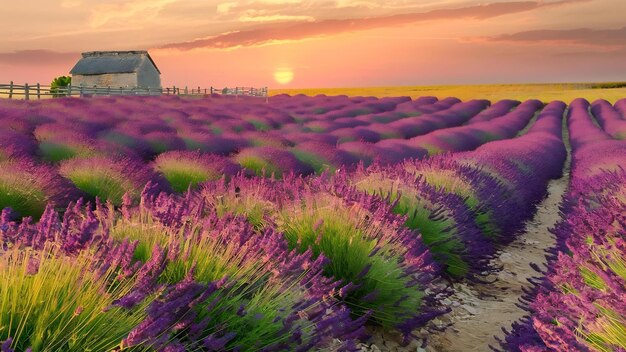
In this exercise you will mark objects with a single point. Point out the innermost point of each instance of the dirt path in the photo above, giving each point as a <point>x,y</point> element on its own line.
<point>479,311</point>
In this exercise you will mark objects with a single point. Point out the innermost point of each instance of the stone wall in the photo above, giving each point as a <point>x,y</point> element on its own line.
<point>113,80</point>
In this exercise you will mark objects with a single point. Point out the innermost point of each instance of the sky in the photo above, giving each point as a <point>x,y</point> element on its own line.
<point>324,43</point>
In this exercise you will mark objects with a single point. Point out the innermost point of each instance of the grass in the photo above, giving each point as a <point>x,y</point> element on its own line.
<point>185,174</point>
<point>182,178</point>
<point>345,233</point>
<point>246,201</point>
<point>346,236</point>
<point>104,184</point>
<point>544,92</point>
<point>442,242</point>
<point>318,163</point>
<point>20,192</point>
<point>213,252</point>
<point>259,166</point>
<point>26,202</point>
<point>64,305</point>
<point>451,182</point>
<point>56,151</point>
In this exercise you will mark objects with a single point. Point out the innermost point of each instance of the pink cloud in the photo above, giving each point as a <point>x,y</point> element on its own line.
<point>302,30</point>
<point>605,38</point>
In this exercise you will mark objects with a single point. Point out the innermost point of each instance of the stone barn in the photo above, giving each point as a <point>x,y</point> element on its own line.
<point>115,69</point>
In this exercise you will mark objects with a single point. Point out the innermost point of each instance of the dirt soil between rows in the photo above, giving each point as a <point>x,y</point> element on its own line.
<point>480,310</point>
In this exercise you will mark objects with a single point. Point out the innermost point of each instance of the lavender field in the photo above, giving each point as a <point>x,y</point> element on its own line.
<point>303,223</point>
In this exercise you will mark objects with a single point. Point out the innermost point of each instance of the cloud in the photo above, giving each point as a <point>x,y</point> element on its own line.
<point>289,31</point>
<point>605,38</point>
<point>68,4</point>
<point>264,16</point>
<point>225,7</point>
<point>37,57</point>
<point>238,7</point>
<point>137,11</point>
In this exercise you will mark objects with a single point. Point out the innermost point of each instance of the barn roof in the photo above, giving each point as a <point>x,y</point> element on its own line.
<point>101,62</point>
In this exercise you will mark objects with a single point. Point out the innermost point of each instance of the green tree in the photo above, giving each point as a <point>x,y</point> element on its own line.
<point>57,85</point>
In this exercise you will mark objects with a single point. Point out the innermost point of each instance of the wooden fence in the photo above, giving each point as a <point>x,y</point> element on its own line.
<point>38,91</point>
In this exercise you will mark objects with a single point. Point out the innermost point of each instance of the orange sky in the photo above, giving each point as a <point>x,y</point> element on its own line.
<point>324,43</point>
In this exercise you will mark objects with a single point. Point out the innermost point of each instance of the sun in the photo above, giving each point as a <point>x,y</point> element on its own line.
<point>283,75</point>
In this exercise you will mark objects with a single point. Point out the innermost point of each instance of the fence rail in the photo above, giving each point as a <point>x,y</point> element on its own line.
<point>38,91</point>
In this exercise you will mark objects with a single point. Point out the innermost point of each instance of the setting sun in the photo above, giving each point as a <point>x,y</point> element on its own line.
<point>283,75</point>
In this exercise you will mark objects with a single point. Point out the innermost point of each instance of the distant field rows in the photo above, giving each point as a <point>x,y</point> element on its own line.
<point>545,92</point>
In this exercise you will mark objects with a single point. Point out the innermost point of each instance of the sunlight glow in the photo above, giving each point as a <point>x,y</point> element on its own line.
<point>283,75</point>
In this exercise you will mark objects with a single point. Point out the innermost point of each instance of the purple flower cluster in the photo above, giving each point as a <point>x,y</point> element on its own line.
<point>579,304</point>
<point>269,297</point>
<point>15,145</point>
<point>387,268</point>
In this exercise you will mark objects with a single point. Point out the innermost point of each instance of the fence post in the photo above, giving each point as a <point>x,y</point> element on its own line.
<point>69,90</point>
<point>205,92</point>
<point>108,90</point>
<point>168,91</point>
<point>38,91</point>
<point>148,90</point>
<point>186,90</point>
<point>26,92</point>
<point>11,90</point>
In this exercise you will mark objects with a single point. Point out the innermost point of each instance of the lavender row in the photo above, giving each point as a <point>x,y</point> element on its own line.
<point>620,106</point>
<point>466,204</point>
<point>609,118</point>
<point>579,304</point>
<point>496,123</point>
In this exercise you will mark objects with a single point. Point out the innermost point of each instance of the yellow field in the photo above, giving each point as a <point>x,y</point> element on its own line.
<point>544,92</point>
